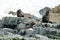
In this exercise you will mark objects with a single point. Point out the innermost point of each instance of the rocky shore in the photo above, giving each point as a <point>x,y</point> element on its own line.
<point>29,27</point>
<point>17,28</point>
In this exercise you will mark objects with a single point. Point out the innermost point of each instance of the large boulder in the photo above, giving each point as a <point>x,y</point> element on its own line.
<point>43,11</point>
<point>42,29</point>
<point>10,22</point>
<point>17,22</point>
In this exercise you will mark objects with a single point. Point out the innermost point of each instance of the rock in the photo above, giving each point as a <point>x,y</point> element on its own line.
<point>26,32</point>
<point>10,22</point>
<point>55,14</point>
<point>22,32</point>
<point>56,25</point>
<point>54,17</point>
<point>38,29</point>
<point>17,22</point>
<point>0,23</point>
<point>25,26</point>
<point>18,28</point>
<point>46,31</point>
<point>43,11</point>
<point>9,30</point>
<point>21,26</point>
<point>29,33</point>
<point>30,24</point>
<point>2,32</point>
<point>56,9</point>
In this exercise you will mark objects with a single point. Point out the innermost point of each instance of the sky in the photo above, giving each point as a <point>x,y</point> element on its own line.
<point>27,6</point>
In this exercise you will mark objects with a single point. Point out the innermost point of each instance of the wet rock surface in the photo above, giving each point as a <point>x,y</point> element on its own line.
<point>20,26</point>
<point>24,28</point>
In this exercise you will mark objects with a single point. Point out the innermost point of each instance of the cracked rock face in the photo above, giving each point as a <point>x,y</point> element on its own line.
<point>13,22</point>
<point>24,28</point>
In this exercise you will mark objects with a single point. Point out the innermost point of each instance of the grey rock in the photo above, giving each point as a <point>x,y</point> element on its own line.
<point>46,31</point>
<point>13,22</point>
<point>22,32</point>
<point>43,11</point>
<point>56,25</point>
<point>29,33</point>
<point>9,30</point>
<point>2,33</point>
<point>10,22</point>
<point>0,23</point>
<point>21,25</point>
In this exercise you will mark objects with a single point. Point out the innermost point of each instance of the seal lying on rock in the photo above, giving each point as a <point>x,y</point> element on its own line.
<point>28,16</point>
<point>19,13</point>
